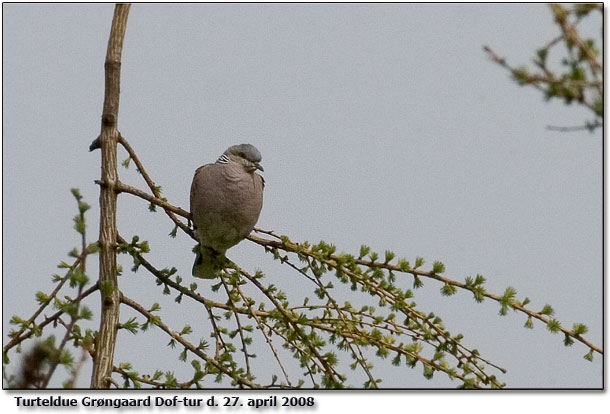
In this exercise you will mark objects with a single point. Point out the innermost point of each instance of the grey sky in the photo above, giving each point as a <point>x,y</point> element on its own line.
<point>378,124</point>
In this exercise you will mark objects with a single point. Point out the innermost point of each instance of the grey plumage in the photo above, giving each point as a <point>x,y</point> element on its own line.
<point>226,200</point>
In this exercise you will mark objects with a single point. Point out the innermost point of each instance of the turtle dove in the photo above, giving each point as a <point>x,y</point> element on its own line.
<point>226,200</point>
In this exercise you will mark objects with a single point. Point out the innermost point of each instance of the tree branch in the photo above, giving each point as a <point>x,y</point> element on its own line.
<point>106,338</point>
<point>571,34</point>
<point>289,246</point>
<point>193,349</point>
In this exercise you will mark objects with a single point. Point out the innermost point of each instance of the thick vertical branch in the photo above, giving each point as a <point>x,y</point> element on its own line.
<point>106,338</point>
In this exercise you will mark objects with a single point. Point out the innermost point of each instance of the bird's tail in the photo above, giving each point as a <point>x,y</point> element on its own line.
<point>208,263</point>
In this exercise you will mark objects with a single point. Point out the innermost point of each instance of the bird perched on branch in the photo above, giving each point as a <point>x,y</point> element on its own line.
<point>226,200</point>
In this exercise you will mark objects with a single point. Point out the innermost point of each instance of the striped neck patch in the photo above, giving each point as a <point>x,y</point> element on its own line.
<point>223,159</point>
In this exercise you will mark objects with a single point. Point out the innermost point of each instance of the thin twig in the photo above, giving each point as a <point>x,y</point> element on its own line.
<point>291,321</point>
<point>361,361</point>
<point>570,33</point>
<point>73,319</point>
<point>237,320</point>
<point>153,188</point>
<point>23,336</point>
<point>155,384</point>
<point>177,337</point>
<point>77,369</point>
<point>292,247</point>
<point>121,187</point>
<point>595,124</point>
<point>267,338</point>
<point>52,296</point>
<point>220,343</point>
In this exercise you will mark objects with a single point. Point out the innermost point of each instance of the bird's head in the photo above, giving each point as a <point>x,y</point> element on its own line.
<point>247,155</point>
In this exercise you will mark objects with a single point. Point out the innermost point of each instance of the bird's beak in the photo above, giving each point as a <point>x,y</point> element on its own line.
<point>259,167</point>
